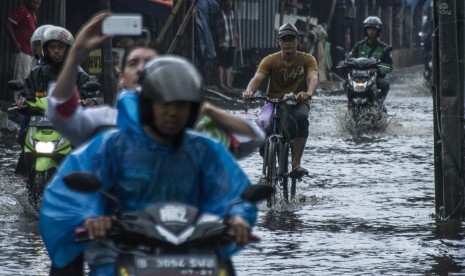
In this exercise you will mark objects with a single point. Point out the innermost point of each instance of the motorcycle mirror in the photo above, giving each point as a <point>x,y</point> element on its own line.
<point>15,85</point>
<point>257,192</point>
<point>91,86</point>
<point>83,182</point>
<point>89,183</point>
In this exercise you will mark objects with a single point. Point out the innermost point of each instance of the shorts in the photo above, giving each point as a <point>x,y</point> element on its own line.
<point>301,112</point>
<point>226,57</point>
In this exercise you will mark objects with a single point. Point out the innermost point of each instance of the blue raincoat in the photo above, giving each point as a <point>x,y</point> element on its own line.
<point>140,172</point>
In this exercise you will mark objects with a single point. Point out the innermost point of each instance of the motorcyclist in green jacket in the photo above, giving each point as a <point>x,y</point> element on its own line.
<point>371,46</point>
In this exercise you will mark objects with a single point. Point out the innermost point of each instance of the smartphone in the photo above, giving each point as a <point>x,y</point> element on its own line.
<point>122,24</point>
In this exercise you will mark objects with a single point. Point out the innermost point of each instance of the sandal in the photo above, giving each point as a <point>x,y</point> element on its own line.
<point>299,171</point>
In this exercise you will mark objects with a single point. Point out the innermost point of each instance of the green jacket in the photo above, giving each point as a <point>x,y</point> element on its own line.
<point>363,49</point>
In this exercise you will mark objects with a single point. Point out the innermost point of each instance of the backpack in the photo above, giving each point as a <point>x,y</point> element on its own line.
<point>288,120</point>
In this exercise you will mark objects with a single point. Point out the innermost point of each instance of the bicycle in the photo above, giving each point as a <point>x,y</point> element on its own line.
<point>276,157</point>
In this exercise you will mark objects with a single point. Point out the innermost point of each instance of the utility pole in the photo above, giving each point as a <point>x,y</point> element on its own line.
<point>438,179</point>
<point>451,108</point>
<point>109,95</point>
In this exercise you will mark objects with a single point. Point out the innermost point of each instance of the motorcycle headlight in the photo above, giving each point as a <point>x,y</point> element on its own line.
<point>45,147</point>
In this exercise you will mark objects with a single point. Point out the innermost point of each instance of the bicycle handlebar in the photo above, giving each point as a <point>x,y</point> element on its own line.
<point>290,96</point>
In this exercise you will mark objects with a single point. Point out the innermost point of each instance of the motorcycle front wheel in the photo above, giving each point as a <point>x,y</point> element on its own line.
<point>37,183</point>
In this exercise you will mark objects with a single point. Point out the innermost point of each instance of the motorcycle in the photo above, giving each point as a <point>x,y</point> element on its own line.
<point>170,238</point>
<point>44,147</point>
<point>426,38</point>
<point>365,111</point>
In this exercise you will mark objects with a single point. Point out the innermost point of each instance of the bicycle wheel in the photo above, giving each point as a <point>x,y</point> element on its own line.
<point>293,179</point>
<point>265,170</point>
<point>265,158</point>
<point>284,169</point>
<point>272,170</point>
<point>293,187</point>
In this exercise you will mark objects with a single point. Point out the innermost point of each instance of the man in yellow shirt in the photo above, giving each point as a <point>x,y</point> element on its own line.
<point>289,70</point>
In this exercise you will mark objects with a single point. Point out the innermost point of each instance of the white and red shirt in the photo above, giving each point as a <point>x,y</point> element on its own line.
<point>24,24</point>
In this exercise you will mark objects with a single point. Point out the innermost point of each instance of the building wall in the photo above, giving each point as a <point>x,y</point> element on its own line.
<point>255,25</point>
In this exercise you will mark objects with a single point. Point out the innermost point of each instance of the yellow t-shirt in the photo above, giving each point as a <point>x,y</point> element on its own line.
<point>285,79</point>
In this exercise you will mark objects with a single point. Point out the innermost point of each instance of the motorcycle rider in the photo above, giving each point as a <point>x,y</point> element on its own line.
<point>55,45</point>
<point>79,124</point>
<point>289,70</point>
<point>36,40</point>
<point>141,163</point>
<point>371,46</point>
<point>23,120</point>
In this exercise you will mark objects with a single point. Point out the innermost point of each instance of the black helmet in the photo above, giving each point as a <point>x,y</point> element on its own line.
<point>288,29</point>
<point>167,79</point>
<point>373,21</point>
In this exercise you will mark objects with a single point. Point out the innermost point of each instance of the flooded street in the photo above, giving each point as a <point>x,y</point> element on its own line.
<point>366,209</point>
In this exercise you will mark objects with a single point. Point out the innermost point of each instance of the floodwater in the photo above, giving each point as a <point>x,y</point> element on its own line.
<point>366,209</point>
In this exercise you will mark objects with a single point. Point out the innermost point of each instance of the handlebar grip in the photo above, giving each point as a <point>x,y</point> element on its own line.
<point>81,234</point>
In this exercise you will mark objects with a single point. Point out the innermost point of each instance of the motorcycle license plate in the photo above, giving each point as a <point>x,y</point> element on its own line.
<point>360,73</point>
<point>40,121</point>
<point>177,265</point>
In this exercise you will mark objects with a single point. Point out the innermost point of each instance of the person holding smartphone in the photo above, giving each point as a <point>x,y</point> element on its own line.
<point>79,124</point>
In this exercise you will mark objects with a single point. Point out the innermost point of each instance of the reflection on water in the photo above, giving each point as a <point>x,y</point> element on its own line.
<point>281,220</point>
<point>367,207</point>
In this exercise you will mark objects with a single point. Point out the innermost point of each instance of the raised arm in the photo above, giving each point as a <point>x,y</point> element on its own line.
<point>64,110</point>
<point>88,38</point>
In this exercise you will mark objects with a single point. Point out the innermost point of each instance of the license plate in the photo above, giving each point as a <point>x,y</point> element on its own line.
<point>360,73</point>
<point>175,265</point>
<point>40,121</point>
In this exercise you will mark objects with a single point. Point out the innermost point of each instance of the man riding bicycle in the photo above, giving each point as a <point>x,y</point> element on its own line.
<point>289,70</point>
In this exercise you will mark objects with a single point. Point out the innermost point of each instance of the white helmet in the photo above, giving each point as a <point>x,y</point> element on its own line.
<point>56,33</point>
<point>36,38</point>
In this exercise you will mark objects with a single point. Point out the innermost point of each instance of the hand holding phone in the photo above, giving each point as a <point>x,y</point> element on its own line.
<point>122,24</point>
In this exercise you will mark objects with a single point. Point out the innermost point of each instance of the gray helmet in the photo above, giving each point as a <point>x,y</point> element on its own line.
<point>56,33</point>
<point>288,29</point>
<point>171,78</point>
<point>36,38</point>
<point>373,21</point>
<point>167,79</point>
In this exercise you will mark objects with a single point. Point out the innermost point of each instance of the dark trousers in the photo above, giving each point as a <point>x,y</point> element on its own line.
<point>383,85</point>
<point>76,268</point>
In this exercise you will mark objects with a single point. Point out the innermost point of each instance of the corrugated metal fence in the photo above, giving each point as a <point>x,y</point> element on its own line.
<point>256,22</point>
